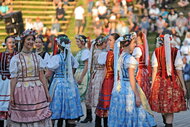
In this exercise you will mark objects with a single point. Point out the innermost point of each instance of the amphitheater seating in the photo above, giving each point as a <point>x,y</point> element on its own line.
<point>39,8</point>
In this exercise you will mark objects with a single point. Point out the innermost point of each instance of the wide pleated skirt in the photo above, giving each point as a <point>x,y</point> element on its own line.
<point>66,101</point>
<point>95,85</point>
<point>123,111</point>
<point>4,97</point>
<point>167,95</point>
<point>84,85</point>
<point>31,107</point>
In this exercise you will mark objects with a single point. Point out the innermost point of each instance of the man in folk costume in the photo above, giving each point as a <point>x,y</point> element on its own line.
<point>5,58</point>
<point>168,89</point>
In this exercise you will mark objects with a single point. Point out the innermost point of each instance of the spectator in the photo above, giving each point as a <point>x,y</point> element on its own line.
<point>116,9</point>
<point>188,24</point>
<point>183,3</point>
<point>60,12</point>
<point>4,9</point>
<point>29,24</point>
<point>160,24</point>
<point>90,5</point>
<point>144,25</point>
<point>122,28</point>
<point>106,27</point>
<point>112,23</point>
<point>102,11</point>
<point>181,23</point>
<point>38,26</point>
<point>79,19</point>
<point>185,49</point>
<point>55,26</point>
<point>97,27</point>
<point>94,13</point>
<point>172,17</point>
<point>55,2</point>
<point>164,13</point>
<point>154,12</point>
<point>187,38</point>
<point>176,41</point>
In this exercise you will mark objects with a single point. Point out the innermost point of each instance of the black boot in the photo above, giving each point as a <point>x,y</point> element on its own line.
<point>66,123</point>
<point>60,123</point>
<point>168,125</point>
<point>1,123</point>
<point>98,122</point>
<point>164,119</point>
<point>88,116</point>
<point>105,121</point>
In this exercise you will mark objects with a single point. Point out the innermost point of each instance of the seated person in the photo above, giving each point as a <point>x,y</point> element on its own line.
<point>60,12</point>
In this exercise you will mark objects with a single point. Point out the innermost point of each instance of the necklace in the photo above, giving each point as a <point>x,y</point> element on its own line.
<point>27,52</point>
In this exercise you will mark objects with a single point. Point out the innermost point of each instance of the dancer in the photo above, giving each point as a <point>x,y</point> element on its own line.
<point>141,54</point>
<point>40,49</point>
<point>96,70</point>
<point>82,58</point>
<point>63,90</point>
<point>5,58</point>
<point>29,94</point>
<point>106,89</point>
<point>168,88</point>
<point>129,107</point>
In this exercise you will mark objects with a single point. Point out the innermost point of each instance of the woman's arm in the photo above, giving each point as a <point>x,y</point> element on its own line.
<point>180,75</point>
<point>13,85</point>
<point>154,72</point>
<point>44,82</point>
<point>83,72</point>
<point>133,85</point>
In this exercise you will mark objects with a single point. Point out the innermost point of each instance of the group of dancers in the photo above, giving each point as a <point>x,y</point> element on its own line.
<point>112,76</point>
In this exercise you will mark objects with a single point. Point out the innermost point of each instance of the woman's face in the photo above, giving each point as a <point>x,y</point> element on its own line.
<point>38,43</point>
<point>79,43</point>
<point>29,42</point>
<point>10,43</point>
<point>111,42</point>
<point>132,45</point>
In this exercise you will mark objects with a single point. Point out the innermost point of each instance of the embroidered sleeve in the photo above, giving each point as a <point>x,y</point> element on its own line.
<point>154,60</point>
<point>74,62</point>
<point>53,63</point>
<point>85,55</point>
<point>102,58</point>
<point>178,61</point>
<point>41,62</point>
<point>137,53</point>
<point>13,68</point>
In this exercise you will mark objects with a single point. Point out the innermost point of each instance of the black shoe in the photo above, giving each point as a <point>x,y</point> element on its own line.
<point>168,125</point>
<point>98,121</point>
<point>88,116</point>
<point>60,123</point>
<point>1,123</point>
<point>72,125</point>
<point>105,121</point>
<point>164,119</point>
<point>66,123</point>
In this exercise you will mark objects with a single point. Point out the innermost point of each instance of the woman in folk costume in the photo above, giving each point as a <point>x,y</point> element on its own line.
<point>168,88</point>
<point>40,49</point>
<point>82,58</point>
<point>5,58</point>
<point>29,94</point>
<point>107,86</point>
<point>63,90</point>
<point>141,54</point>
<point>129,107</point>
<point>96,67</point>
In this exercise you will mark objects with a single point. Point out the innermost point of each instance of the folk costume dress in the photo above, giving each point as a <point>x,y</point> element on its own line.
<point>31,108</point>
<point>123,111</point>
<point>143,73</point>
<point>65,95</point>
<point>81,57</point>
<point>107,86</point>
<point>167,95</point>
<point>5,58</point>
<point>96,78</point>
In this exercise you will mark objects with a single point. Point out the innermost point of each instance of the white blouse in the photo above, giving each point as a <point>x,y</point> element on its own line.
<point>137,53</point>
<point>178,61</point>
<point>102,58</point>
<point>85,55</point>
<point>53,64</point>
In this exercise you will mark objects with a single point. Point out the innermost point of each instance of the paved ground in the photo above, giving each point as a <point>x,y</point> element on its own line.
<point>181,119</point>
